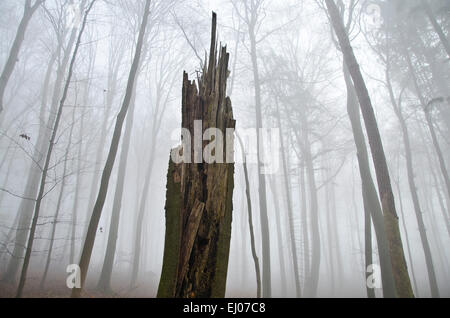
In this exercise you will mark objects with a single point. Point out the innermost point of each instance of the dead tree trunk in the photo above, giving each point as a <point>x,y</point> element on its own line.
<point>403,283</point>
<point>199,195</point>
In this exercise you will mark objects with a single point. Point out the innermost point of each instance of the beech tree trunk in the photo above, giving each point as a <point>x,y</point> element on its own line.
<point>370,197</point>
<point>199,195</point>
<point>401,276</point>
<point>413,189</point>
<point>106,175</point>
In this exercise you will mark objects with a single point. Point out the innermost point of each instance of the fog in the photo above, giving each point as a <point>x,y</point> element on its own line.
<point>326,195</point>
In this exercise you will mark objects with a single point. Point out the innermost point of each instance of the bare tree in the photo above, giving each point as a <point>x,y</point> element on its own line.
<point>48,157</point>
<point>98,207</point>
<point>29,9</point>
<point>403,284</point>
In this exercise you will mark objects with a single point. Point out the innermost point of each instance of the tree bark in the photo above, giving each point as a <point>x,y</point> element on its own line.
<point>58,205</point>
<point>305,227</point>
<point>98,207</point>
<point>281,255</point>
<point>267,284</point>
<point>104,282</point>
<point>199,195</point>
<point>413,189</point>
<point>48,157</point>
<point>369,192</point>
<point>403,284</point>
<point>287,190</point>
<point>250,223</point>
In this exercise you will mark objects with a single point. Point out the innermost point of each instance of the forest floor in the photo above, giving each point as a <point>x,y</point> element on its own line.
<point>56,290</point>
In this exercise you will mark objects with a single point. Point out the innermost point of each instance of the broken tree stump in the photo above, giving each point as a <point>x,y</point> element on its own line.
<point>199,195</point>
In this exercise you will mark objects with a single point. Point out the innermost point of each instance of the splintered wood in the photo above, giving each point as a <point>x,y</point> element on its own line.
<point>199,195</point>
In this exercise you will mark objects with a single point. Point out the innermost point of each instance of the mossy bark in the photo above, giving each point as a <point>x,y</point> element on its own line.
<point>199,195</point>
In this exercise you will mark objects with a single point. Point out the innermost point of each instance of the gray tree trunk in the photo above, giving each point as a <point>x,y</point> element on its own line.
<point>413,189</point>
<point>13,56</point>
<point>250,225</point>
<point>40,195</point>
<point>369,192</point>
<point>58,204</point>
<point>287,190</point>
<point>305,227</point>
<point>281,256</point>
<point>403,284</point>
<point>32,183</point>
<point>98,207</point>
<point>266,276</point>
<point>104,282</point>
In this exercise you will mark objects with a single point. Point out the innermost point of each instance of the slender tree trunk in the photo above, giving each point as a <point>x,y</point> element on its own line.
<point>140,217</point>
<point>266,276</point>
<point>329,230</point>
<point>13,56</point>
<point>281,256</point>
<point>104,283</point>
<point>413,189</point>
<point>111,92</point>
<point>32,184</point>
<point>444,210</point>
<point>305,226</point>
<point>368,249</point>
<point>334,222</point>
<point>408,245</point>
<point>403,284</point>
<point>426,108</point>
<point>289,208</point>
<point>372,207</point>
<point>47,159</point>
<point>76,197</point>
<point>250,224</point>
<point>98,207</point>
<point>58,204</point>
<point>312,283</point>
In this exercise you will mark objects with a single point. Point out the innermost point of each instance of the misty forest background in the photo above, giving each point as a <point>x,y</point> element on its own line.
<point>314,215</point>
